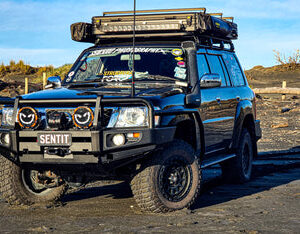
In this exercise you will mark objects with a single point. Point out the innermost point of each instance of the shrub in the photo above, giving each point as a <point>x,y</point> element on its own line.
<point>291,62</point>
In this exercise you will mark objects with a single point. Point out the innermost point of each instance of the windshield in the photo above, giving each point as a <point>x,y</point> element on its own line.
<point>115,65</point>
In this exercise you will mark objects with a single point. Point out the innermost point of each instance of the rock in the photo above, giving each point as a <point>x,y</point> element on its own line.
<point>281,125</point>
<point>258,96</point>
<point>285,109</point>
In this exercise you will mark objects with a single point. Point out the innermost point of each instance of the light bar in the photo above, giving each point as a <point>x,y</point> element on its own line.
<point>140,27</point>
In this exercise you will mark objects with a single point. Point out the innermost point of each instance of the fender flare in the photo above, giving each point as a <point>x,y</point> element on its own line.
<point>244,109</point>
<point>176,116</point>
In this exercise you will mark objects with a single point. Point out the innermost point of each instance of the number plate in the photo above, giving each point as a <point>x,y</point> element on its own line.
<point>54,139</point>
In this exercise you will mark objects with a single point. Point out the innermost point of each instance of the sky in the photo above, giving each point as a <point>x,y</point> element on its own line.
<point>38,31</point>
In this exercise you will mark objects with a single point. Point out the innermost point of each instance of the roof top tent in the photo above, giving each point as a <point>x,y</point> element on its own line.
<point>158,25</point>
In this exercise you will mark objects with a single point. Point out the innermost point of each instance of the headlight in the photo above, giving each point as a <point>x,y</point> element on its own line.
<point>129,117</point>
<point>7,116</point>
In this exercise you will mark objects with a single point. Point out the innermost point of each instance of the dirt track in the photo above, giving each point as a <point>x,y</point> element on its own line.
<point>270,203</point>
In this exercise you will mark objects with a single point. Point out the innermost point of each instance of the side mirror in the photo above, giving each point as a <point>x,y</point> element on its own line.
<point>53,82</point>
<point>210,80</point>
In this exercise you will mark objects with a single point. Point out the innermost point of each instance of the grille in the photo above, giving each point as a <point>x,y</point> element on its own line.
<point>107,112</point>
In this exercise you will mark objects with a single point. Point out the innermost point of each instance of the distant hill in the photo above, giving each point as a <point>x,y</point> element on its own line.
<point>12,76</point>
<point>18,71</point>
<point>260,77</point>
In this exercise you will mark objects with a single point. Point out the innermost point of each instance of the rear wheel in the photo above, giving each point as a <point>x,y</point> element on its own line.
<point>22,186</point>
<point>239,169</point>
<point>169,181</point>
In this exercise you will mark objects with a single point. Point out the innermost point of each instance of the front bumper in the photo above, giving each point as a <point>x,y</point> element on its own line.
<point>87,146</point>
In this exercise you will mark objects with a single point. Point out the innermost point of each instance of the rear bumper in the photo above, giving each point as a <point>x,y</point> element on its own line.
<point>87,146</point>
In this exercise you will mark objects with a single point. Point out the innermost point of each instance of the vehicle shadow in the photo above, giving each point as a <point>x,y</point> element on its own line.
<point>216,190</point>
<point>116,191</point>
<point>213,191</point>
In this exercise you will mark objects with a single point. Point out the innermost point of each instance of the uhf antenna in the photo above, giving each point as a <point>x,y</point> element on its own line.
<point>133,51</point>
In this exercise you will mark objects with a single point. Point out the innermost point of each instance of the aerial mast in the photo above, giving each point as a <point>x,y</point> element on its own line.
<point>133,52</point>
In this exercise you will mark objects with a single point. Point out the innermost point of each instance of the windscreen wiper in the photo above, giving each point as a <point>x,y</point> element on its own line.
<point>156,77</point>
<point>95,82</point>
<point>160,77</point>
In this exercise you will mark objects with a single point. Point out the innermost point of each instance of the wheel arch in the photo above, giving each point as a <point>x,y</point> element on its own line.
<point>189,128</point>
<point>244,119</point>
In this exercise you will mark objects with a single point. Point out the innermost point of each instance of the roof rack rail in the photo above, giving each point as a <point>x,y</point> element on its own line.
<point>154,24</point>
<point>202,9</point>
<point>228,18</point>
<point>216,14</point>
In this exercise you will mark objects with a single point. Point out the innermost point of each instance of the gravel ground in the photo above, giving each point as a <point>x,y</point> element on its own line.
<point>280,123</point>
<point>269,203</point>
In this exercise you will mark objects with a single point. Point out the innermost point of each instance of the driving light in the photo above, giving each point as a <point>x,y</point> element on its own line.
<point>83,117</point>
<point>5,139</point>
<point>118,139</point>
<point>27,117</point>
<point>7,116</point>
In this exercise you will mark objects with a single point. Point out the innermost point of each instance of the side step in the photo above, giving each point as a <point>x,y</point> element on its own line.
<point>215,160</point>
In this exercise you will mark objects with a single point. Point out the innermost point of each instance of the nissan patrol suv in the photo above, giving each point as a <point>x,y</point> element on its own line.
<point>153,106</point>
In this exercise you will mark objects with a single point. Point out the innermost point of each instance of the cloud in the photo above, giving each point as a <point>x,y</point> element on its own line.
<point>37,31</point>
<point>255,9</point>
<point>49,16</point>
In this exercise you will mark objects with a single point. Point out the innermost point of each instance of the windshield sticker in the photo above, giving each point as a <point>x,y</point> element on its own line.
<point>126,50</point>
<point>180,70</point>
<point>180,75</point>
<point>116,73</point>
<point>181,64</point>
<point>68,79</point>
<point>177,52</point>
<point>71,74</point>
<point>179,58</point>
<point>117,78</point>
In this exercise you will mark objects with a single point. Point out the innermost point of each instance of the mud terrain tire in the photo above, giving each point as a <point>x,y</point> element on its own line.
<point>239,169</point>
<point>14,191</point>
<point>168,181</point>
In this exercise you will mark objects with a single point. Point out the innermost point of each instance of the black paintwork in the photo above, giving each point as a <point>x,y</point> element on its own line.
<point>218,114</point>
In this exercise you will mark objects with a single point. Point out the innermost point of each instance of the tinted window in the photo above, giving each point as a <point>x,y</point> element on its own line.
<point>216,67</point>
<point>225,71</point>
<point>202,65</point>
<point>114,64</point>
<point>234,70</point>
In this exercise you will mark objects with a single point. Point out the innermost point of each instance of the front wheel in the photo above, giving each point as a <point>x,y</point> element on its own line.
<point>169,181</point>
<point>22,186</point>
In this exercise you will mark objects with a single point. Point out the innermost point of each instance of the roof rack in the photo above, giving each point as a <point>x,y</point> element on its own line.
<point>151,24</point>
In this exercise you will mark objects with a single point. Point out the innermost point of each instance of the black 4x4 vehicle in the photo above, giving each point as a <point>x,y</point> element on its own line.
<point>154,114</point>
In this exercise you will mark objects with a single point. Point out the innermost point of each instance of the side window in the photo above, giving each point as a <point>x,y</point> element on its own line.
<point>225,71</point>
<point>216,67</point>
<point>202,65</point>
<point>234,70</point>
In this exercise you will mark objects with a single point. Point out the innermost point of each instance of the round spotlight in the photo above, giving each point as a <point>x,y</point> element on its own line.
<point>83,117</point>
<point>118,139</point>
<point>27,117</point>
